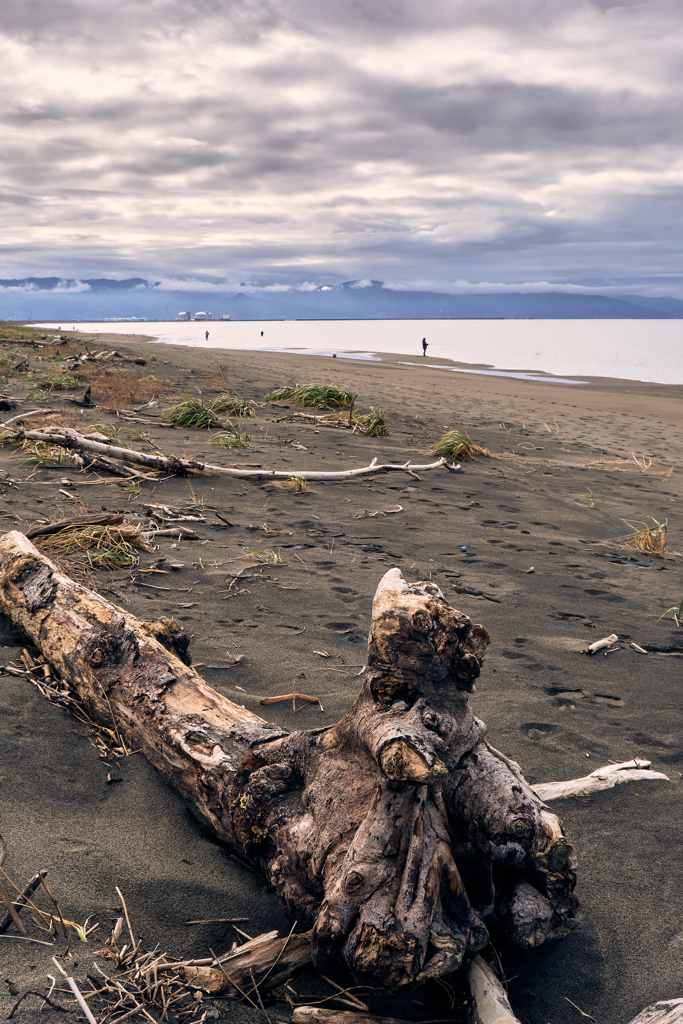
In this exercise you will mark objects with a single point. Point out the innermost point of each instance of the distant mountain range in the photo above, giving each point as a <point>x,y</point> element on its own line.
<point>52,298</point>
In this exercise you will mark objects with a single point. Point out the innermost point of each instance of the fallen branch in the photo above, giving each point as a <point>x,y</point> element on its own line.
<point>21,900</point>
<point>73,441</point>
<point>27,415</point>
<point>602,778</point>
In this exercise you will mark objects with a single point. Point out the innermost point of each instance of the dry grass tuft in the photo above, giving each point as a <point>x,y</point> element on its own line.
<point>651,539</point>
<point>297,484</point>
<point>456,444</point>
<point>115,389</point>
<point>218,381</point>
<point>105,547</point>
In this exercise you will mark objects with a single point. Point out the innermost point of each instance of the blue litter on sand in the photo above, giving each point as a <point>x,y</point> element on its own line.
<point>464,547</point>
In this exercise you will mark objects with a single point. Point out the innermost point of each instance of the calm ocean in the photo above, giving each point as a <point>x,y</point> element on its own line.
<point>644,350</point>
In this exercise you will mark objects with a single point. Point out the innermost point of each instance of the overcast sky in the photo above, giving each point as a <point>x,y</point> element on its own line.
<point>422,143</point>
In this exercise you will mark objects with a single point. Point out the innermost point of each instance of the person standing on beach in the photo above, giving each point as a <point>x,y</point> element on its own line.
<point>206,336</point>
<point>424,346</point>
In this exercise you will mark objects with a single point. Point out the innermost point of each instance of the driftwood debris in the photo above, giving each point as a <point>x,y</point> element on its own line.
<point>602,778</point>
<point>600,645</point>
<point>73,441</point>
<point>668,1011</point>
<point>398,836</point>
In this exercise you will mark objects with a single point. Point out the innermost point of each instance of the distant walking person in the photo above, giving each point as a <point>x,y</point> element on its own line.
<point>207,335</point>
<point>424,346</point>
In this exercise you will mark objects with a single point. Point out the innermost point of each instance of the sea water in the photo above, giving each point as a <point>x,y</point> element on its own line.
<point>571,350</point>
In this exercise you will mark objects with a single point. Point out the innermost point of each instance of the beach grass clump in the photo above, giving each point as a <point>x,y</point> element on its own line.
<point>456,444</point>
<point>282,394</point>
<point>192,412</point>
<point>651,539</point>
<point>314,396</point>
<point>60,380</point>
<point>108,429</point>
<point>41,453</point>
<point>38,395</point>
<point>372,423</point>
<point>297,484</point>
<point>233,404</point>
<point>233,438</point>
<point>106,547</point>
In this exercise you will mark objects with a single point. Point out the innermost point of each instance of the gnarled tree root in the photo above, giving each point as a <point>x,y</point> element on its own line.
<point>398,836</point>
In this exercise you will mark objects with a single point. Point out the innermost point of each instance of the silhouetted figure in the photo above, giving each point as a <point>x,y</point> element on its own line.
<point>207,335</point>
<point>261,333</point>
<point>424,346</point>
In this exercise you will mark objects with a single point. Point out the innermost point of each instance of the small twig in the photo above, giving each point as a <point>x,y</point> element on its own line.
<point>54,982</point>
<point>258,996</point>
<point>11,909</point>
<point>125,911</point>
<point>23,899</point>
<point>292,697</point>
<point>580,1010</point>
<point>220,920</point>
<point>25,938</point>
<point>30,992</point>
<point>77,992</point>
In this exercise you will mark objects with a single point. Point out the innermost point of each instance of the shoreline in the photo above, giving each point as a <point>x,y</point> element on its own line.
<point>539,349</point>
<point>555,497</point>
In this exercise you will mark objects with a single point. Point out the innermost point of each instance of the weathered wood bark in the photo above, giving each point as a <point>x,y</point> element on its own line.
<point>669,1011</point>
<point>397,835</point>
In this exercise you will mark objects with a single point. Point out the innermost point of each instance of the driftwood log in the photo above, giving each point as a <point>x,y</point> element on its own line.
<point>72,440</point>
<point>398,836</point>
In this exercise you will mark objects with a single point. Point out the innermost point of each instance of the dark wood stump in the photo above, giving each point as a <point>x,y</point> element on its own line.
<point>397,835</point>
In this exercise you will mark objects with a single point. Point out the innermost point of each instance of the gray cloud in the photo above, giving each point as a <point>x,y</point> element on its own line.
<point>294,140</point>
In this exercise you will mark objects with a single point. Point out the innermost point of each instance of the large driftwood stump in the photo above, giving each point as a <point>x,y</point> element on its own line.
<point>397,835</point>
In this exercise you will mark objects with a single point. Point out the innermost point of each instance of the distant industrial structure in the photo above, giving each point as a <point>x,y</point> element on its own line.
<point>202,315</point>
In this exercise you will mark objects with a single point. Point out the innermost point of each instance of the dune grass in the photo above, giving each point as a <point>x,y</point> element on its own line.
<point>233,404</point>
<point>456,444</point>
<point>191,412</point>
<point>313,396</point>
<point>233,438</point>
<point>372,423</point>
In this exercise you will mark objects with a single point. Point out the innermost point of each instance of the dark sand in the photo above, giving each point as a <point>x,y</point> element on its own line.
<point>557,712</point>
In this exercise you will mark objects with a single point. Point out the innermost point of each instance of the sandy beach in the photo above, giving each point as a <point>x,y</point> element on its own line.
<point>572,467</point>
